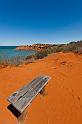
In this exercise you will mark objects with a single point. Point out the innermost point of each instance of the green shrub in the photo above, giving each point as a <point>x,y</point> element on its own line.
<point>3,64</point>
<point>30,57</point>
<point>41,54</point>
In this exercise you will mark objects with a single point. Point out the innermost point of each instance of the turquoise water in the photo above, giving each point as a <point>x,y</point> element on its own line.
<point>9,52</point>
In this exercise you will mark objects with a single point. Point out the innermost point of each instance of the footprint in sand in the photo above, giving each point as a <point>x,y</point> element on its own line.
<point>63,63</point>
<point>78,98</point>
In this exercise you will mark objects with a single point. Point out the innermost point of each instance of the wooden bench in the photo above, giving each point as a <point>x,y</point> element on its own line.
<point>22,98</point>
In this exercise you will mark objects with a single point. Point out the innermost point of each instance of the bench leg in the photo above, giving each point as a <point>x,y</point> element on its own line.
<point>22,117</point>
<point>43,91</point>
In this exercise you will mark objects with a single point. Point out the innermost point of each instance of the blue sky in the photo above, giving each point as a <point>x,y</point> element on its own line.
<point>40,21</point>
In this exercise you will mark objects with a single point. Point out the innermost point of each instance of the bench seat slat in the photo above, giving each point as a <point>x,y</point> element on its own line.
<point>16,95</point>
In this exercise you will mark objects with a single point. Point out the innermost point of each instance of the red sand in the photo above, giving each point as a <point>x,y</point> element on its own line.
<point>63,102</point>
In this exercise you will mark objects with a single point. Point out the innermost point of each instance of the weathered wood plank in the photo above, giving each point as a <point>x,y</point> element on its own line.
<point>23,97</point>
<point>19,93</point>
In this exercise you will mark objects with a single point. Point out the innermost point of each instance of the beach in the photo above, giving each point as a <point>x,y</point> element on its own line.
<point>62,103</point>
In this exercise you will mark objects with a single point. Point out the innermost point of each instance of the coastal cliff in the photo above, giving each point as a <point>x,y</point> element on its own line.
<point>37,47</point>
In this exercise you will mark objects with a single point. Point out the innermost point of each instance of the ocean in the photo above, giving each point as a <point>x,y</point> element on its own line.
<point>9,52</point>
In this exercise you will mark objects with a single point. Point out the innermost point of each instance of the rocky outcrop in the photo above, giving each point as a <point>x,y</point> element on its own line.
<point>37,47</point>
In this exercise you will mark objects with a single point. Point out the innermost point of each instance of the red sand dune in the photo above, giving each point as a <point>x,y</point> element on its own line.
<point>63,102</point>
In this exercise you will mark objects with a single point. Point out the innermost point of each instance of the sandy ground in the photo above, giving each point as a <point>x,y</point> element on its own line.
<point>63,102</point>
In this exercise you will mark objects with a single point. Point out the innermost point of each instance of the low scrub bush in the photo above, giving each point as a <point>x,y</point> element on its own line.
<point>41,54</point>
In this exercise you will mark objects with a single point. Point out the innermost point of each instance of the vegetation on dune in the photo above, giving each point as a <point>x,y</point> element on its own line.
<point>3,64</point>
<point>75,47</point>
<point>15,61</point>
<point>70,47</point>
<point>41,54</point>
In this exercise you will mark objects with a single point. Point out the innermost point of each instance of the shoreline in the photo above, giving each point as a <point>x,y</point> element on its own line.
<point>30,59</point>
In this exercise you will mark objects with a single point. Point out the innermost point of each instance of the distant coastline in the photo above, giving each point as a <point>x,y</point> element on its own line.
<point>37,47</point>
<point>16,55</point>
